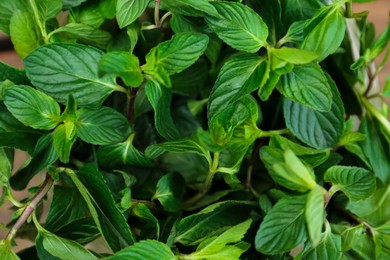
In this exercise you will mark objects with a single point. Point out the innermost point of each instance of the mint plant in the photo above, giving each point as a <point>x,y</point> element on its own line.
<point>196,130</point>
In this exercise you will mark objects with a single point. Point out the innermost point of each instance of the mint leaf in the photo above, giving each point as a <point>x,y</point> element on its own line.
<point>314,214</point>
<point>146,249</point>
<point>170,191</point>
<point>63,139</point>
<point>239,26</point>
<point>32,108</point>
<point>283,228</point>
<point>190,8</point>
<point>127,11</point>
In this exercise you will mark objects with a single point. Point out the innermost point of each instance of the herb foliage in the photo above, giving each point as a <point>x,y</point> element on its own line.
<point>196,129</point>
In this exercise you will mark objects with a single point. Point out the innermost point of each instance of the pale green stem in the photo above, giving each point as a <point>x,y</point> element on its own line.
<point>263,134</point>
<point>42,26</point>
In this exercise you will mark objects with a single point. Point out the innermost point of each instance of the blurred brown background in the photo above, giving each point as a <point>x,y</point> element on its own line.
<point>379,14</point>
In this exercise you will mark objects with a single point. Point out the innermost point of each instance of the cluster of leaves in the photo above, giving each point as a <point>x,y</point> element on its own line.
<point>181,129</point>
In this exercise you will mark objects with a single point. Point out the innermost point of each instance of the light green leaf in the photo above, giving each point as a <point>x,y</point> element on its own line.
<point>63,139</point>
<point>109,220</point>
<point>315,128</point>
<point>382,235</point>
<point>325,32</point>
<point>287,169</point>
<point>145,249</point>
<point>60,69</point>
<point>180,146</point>
<point>6,251</point>
<point>64,248</point>
<point>23,32</point>
<point>351,236</point>
<point>89,14</point>
<point>357,183</point>
<point>102,126</point>
<point>7,9</point>
<point>211,221</point>
<point>176,54</point>
<point>170,191</point>
<point>314,214</point>
<point>125,153</point>
<point>32,108</point>
<point>85,34</point>
<point>47,9</point>
<point>197,8</point>
<point>122,64</point>
<point>6,164</point>
<point>328,248</point>
<point>221,247</point>
<point>127,11</point>
<point>239,26</point>
<point>160,99</point>
<point>151,229</point>
<point>238,77</point>
<point>291,55</point>
<point>283,228</point>
<point>307,85</point>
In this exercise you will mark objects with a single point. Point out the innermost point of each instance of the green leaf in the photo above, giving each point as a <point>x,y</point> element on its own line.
<point>32,108</point>
<point>328,248</point>
<point>23,32</point>
<point>66,207</point>
<point>64,248</point>
<point>85,34</point>
<point>170,191</point>
<point>221,247</point>
<point>190,8</point>
<point>145,249</point>
<point>6,251</point>
<point>315,128</point>
<point>7,9</point>
<point>357,183</point>
<point>6,164</point>
<point>102,126</point>
<point>238,77</point>
<point>295,10</point>
<point>176,54</point>
<point>382,236</point>
<point>314,214</point>
<point>72,3</point>
<point>160,99</point>
<point>283,228</point>
<point>210,221</point>
<point>239,26</point>
<point>50,70</point>
<point>13,74</point>
<point>325,31</point>
<point>151,229</point>
<point>180,146</point>
<point>307,85</point>
<point>47,9</point>
<point>101,204</point>
<point>125,153</point>
<point>44,155</point>
<point>63,139</point>
<point>122,64</point>
<point>127,11</point>
<point>292,55</point>
<point>376,148</point>
<point>351,236</point>
<point>287,169</point>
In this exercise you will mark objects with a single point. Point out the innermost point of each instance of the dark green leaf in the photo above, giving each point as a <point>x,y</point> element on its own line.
<point>307,85</point>
<point>101,204</point>
<point>13,74</point>
<point>295,10</point>
<point>283,228</point>
<point>160,99</point>
<point>6,164</point>
<point>122,64</point>
<point>145,249</point>
<point>211,221</point>
<point>72,3</point>
<point>239,26</point>
<point>64,248</point>
<point>357,183</point>
<point>67,206</point>
<point>44,155</point>
<point>176,54</point>
<point>102,126</point>
<point>317,129</point>
<point>151,229</point>
<point>125,153</point>
<point>61,69</point>
<point>127,11</point>
<point>84,33</point>
<point>238,77</point>
<point>190,8</point>
<point>170,191</point>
